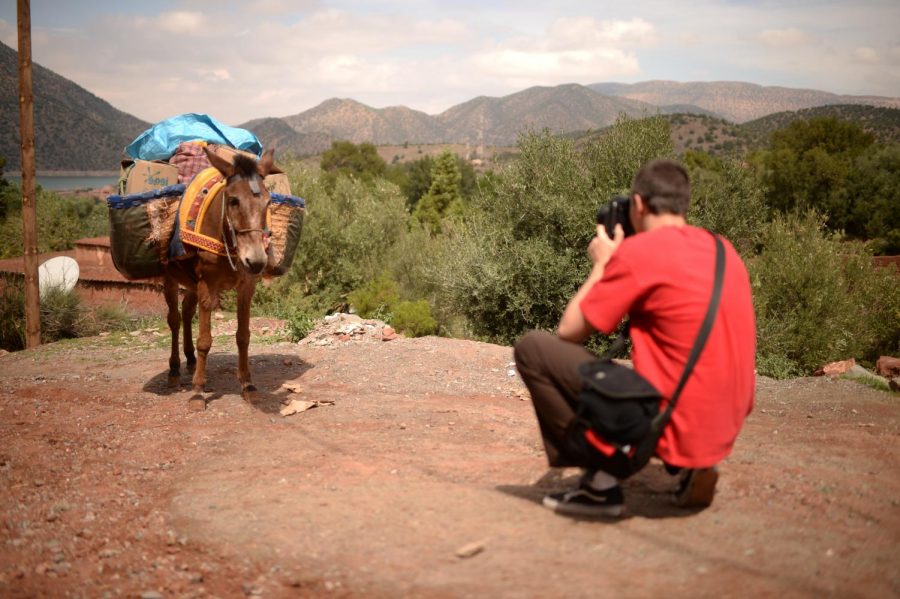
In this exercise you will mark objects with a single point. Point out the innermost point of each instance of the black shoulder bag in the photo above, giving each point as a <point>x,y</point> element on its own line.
<point>618,423</point>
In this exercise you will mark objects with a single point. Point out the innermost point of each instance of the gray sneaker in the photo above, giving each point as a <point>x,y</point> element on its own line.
<point>697,487</point>
<point>586,501</point>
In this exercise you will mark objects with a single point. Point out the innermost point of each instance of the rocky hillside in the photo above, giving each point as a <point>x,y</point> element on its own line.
<point>487,120</point>
<point>77,131</point>
<point>498,121</point>
<point>74,130</point>
<point>882,122</point>
<point>275,132</point>
<point>735,101</point>
<point>351,120</point>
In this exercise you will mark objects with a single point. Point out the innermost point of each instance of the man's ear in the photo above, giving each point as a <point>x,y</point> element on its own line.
<point>639,205</point>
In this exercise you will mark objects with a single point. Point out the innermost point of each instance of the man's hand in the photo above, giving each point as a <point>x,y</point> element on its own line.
<point>601,248</point>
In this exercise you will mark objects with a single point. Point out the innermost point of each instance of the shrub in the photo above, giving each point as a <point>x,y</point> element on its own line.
<point>300,325</point>
<point>414,318</point>
<point>819,299</point>
<point>376,298</point>
<point>60,221</point>
<point>521,254</point>
<point>12,314</point>
<point>347,235</point>
<point>62,316</point>
<point>727,199</point>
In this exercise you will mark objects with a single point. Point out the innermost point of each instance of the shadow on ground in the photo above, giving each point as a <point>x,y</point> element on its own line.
<point>269,372</point>
<point>648,494</point>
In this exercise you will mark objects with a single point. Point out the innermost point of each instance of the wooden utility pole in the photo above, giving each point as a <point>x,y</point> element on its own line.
<point>29,211</point>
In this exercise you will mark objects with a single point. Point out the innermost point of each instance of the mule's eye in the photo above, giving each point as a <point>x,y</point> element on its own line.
<point>234,202</point>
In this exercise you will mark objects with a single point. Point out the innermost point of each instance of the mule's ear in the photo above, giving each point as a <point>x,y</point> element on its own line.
<point>223,165</point>
<point>266,163</point>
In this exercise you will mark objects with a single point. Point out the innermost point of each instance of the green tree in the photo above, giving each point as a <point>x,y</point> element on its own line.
<point>443,197</point>
<point>346,158</point>
<point>60,221</point>
<point>418,182</point>
<point>726,198</point>
<point>871,195</point>
<point>809,162</point>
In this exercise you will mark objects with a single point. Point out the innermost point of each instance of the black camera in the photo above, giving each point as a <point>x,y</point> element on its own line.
<point>616,213</point>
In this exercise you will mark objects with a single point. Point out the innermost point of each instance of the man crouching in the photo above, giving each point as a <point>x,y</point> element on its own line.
<point>661,278</point>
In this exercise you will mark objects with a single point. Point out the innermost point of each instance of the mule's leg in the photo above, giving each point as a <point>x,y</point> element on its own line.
<point>188,309</point>
<point>246,288</point>
<point>204,342</point>
<point>173,318</point>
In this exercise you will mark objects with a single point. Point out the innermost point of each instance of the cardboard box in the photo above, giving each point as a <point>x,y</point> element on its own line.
<point>148,175</point>
<point>278,183</point>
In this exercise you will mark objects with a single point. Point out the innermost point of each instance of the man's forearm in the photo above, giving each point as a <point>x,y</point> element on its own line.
<point>573,326</point>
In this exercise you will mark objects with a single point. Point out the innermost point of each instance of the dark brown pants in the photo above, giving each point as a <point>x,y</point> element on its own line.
<point>549,367</point>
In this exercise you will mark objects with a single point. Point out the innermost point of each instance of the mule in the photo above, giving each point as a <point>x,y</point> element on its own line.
<point>242,228</point>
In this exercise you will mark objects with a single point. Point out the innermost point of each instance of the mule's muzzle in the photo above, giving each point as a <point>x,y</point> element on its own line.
<point>255,265</point>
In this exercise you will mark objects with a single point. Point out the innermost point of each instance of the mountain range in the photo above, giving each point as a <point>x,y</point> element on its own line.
<point>77,131</point>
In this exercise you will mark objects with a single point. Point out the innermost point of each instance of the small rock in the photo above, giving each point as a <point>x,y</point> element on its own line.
<point>888,366</point>
<point>471,549</point>
<point>836,368</point>
<point>388,334</point>
<point>219,316</point>
<point>151,595</point>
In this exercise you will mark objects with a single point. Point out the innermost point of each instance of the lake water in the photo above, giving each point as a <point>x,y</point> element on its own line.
<point>67,183</point>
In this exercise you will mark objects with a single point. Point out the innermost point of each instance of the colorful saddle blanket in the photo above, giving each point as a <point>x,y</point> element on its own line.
<point>194,207</point>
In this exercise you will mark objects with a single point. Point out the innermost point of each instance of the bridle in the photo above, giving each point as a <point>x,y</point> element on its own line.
<point>254,183</point>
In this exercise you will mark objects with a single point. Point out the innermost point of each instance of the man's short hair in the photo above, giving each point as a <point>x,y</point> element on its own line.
<point>664,186</point>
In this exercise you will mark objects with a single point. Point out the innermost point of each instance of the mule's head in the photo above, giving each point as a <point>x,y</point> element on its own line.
<point>246,206</point>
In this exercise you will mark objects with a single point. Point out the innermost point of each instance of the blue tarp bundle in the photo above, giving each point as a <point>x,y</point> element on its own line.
<point>161,140</point>
<point>293,201</point>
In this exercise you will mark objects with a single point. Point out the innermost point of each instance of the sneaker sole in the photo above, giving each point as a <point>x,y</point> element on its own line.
<point>571,509</point>
<point>701,490</point>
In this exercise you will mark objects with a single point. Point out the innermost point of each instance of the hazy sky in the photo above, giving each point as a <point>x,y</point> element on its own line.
<point>239,60</point>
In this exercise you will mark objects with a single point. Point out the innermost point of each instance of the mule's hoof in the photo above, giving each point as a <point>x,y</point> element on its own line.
<point>196,404</point>
<point>248,392</point>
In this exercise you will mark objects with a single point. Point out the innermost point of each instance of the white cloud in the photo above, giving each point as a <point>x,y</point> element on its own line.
<point>214,75</point>
<point>180,22</point>
<point>784,38</point>
<point>586,32</point>
<point>580,49</point>
<point>866,55</point>
<point>563,66</point>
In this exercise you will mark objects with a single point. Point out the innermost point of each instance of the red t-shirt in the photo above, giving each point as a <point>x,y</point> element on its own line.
<point>663,280</point>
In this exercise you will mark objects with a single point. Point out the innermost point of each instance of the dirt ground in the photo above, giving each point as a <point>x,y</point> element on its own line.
<point>422,479</point>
